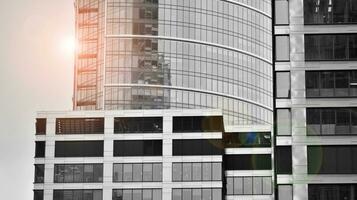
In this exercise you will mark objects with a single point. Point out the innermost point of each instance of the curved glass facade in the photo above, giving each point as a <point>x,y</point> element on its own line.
<point>163,54</point>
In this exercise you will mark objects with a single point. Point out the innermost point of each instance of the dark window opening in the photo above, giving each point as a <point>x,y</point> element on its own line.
<point>253,139</point>
<point>138,125</point>
<point>138,148</point>
<point>80,126</point>
<point>40,149</point>
<point>198,147</point>
<point>283,160</point>
<point>198,124</point>
<point>248,162</point>
<point>39,173</point>
<point>38,195</point>
<point>78,173</point>
<point>79,149</point>
<point>77,194</point>
<point>332,191</point>
<point>41,126</point>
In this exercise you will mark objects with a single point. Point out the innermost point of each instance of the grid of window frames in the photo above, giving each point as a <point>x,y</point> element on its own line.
<point>210,21</point>
<point>331,83</point>
<point>77,194</point>
<point>80,126</point>
<point>137,194</point>
<point>248,185</point>
<point>330,11</point>
<point>138,125</point>
<point>78,173</point>
<point>332,159</point>
<point>196,171</point>
<point>338,47</point>
<point>332,191</point>
<point>197,193</point>
<point>252,139</point>
<point>137,172</point>
<point>331,121</point>
<point>39,173</point>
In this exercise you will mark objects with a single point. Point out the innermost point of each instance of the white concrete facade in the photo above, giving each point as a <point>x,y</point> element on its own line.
<point>298,102</point>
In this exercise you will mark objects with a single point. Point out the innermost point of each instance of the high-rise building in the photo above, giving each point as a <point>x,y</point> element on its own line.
<point>316,106</point>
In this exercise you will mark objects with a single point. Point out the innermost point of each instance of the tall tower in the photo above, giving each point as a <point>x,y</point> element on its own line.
<point>170,54</point>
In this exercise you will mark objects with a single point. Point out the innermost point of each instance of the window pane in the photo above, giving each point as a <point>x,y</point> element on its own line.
<point>267,185</point>
<point>282,12</point>
<point>137,194</point>
<point>137,172</point>
<point>147,194</point>
<point>98,173</point>
<point>282,52</point>
<point>68,174</point>
<point>128,172</point>
<point>127,194</point>
<point>257,185</point>
<point>282,84</point>
<point>216,194</point>
<point>147,176</point>
<point>186,171</point>
<point>206,194</point>
<point>177,171</point>
<point>118,173</point>
<point>156,194</point>
<point>283,122</point>
<point>39,173</point>
<point>313,120</point>
<point>186,194</point>
<point>216,171</point>
<point>285,192</point>
<point>312,80</point>
<point>78,171</point>
<point>196,194</point>
<point>206,171</point>
<point>230,185</point>
<point>196,171</point>
<point>248,185</point>
<point>117,194</point>
<point>176,194</point>
<point>157,172</point>
<point>238,185</point>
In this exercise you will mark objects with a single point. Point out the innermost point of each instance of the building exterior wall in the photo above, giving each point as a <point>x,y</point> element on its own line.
<point>172,54</point>
<point>298,101</point>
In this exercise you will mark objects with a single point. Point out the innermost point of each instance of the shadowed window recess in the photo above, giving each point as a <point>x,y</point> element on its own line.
<point>79,149</point>
<point>331,121</point>
<point>198,124</point>
<point>40,149</point>
<point>138,125</point>
<point>39,173</point>
<point>331,83</point>
<point>138,148</point>
<point>78,173</point>
<point>330,11</point>
<point>197,147</point>
<point>77,194</point>
<point>80,126</point>
<point>38,195</point>
<point>332,159</point>
<point>283,160</point>
<point>248,162</point>
<point>252,139</point>
<point>41,126</point>
<point>248,185</point>
<point>332,191</point>
<point>332,47</point>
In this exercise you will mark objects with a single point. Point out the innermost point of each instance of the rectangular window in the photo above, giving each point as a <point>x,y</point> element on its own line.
<point>283,160</point>
<point>338,47</point>
<point>282,48</point>
<point>79,149</point>
<point>40,149</point>
<point>138,125</point>
<point>251,139</point>
<point>257,185</point>
<point>281,12</point>
<point>41,126</point>
<point>330,121</point>
<point>330,12</point>
<point>137,194</point>
<point>138,148</point>
<point>198,124</point>
<point>39,173</point>
<point>197,194</point>
<point>137,172</point>
<point>188,172</point>
<point>282,84</point>
<point>283,122</point>
<point>78,173</point>
<point>332,191</point>
<point>332,159</point>
<point>248,162</point>
<point>77,194</point>
<point>198,147</point>
<point>38,195</point>
<point>80,126</point>
<point>285,192</point>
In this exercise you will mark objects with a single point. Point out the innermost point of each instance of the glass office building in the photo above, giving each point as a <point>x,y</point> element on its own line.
<point>176,54</point>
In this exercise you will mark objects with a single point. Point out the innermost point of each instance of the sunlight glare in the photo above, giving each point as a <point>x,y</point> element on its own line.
<point>68,45</point>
